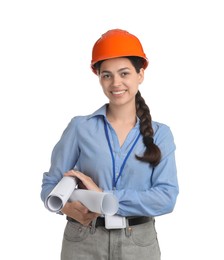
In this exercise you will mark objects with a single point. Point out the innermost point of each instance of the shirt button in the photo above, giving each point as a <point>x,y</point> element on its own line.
<point>117,174</point>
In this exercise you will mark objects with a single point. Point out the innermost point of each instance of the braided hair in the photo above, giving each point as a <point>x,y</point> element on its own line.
<point>152,152</point>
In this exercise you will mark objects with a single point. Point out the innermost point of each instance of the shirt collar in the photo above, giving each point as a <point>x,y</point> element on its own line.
<point>99,112</point>
<point>102,111</point>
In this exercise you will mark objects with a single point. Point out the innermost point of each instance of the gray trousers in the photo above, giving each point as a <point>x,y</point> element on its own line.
<point>97,243</point>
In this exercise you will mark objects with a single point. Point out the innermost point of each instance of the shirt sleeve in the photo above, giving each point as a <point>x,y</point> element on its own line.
<point>63,158</point>
<point>160,198</point>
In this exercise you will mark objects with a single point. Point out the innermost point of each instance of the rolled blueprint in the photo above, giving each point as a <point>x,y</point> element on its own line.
<point>65,190</point>
<point>99,202</point>
<point>61,193</point>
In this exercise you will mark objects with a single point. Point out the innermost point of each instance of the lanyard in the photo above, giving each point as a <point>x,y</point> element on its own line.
<point>115,180</point>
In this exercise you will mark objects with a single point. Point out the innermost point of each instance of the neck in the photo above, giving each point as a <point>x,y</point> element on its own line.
<point>122,114</point>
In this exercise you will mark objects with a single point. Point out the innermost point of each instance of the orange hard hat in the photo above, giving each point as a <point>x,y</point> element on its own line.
<point>117,43</point>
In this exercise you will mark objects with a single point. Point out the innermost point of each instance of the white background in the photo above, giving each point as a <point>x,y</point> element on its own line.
<point>45,80</point>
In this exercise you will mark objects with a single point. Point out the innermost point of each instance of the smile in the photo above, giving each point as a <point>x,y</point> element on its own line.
<point>118,92</point>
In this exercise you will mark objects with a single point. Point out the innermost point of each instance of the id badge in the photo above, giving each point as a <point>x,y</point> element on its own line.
<point>115,222</point>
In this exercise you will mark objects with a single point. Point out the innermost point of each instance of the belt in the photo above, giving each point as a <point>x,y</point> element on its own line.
<point>132,221</point>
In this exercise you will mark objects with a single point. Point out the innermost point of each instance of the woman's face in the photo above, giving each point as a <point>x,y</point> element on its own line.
<point>119,80</point>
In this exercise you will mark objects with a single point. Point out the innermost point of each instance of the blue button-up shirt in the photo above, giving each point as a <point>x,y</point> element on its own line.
<point>142,190</point>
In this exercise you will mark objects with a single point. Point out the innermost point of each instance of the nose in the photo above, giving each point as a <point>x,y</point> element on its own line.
<point>116,81</point>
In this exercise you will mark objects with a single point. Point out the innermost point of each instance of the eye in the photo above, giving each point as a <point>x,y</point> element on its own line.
<point>124,74</point>
<point>105,76</point>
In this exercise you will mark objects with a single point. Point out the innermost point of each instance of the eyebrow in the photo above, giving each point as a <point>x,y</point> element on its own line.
<point>107,71</point>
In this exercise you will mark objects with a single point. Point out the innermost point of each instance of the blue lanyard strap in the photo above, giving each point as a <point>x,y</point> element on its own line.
<point>112,156</point>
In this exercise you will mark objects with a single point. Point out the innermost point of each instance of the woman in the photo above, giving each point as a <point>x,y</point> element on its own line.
<point>120,150</point>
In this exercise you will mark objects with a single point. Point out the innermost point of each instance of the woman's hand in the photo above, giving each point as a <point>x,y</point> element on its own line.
<point>76,209</point>
<point>79,212</point>
<point>86,181</point>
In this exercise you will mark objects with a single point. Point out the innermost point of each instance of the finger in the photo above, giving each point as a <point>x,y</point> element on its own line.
<point>83,218</point>
<point>82,177</point>
<point>80,207</point>
<point>77,174</point>
<point>70,173</point>
<point>86,180</point>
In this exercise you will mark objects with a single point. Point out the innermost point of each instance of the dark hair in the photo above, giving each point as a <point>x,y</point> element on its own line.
<point>152,153</point>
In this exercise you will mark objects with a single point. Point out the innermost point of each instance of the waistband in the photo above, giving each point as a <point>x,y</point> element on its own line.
<point>132,221</point>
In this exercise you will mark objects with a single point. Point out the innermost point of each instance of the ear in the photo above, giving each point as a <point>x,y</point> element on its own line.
<point>141,75</point>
